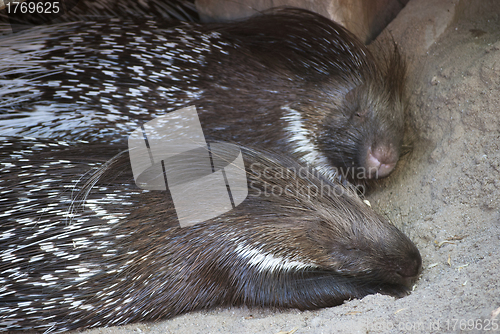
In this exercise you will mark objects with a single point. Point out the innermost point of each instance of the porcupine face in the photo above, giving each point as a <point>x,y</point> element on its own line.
<point>363,136</point>
<point>332,230</point>
<point>369,249</point>
<point>349,108</point>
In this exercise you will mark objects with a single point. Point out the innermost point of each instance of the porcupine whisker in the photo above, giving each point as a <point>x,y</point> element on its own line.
<point>95,176</point>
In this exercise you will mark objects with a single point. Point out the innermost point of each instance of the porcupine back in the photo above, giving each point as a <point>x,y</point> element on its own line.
<point>290,80</point>
<point>82,246</point>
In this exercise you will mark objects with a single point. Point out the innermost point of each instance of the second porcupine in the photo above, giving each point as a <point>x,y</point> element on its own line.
<point>290,81</point>
<point>82,246</point>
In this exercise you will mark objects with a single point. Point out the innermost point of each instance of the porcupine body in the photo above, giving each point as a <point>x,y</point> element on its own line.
<point>289,81</point>
<point>82,246</point>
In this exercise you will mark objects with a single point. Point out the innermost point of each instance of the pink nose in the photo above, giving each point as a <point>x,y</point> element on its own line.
<point>380,162</point>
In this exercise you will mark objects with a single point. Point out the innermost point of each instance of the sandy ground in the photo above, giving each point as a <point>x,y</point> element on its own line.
<point>445,194</point>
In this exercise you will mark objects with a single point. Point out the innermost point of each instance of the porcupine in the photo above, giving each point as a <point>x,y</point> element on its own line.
<point>119,255</point>
<point>290,81</point>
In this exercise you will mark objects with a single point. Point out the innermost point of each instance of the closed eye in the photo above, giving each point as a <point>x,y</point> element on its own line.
<point>361,114</point>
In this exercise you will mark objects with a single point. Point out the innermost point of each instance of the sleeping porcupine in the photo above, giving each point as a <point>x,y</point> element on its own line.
<point>82,246</point>
<point>290,81</point>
